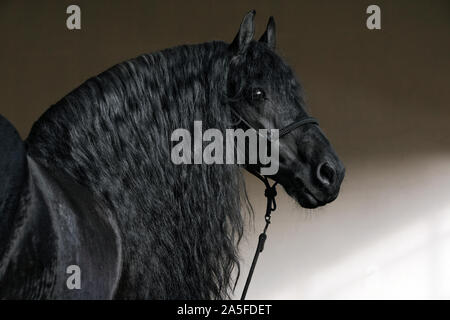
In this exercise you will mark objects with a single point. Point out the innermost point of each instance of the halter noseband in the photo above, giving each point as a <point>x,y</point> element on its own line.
<point>270,192</point>
<point>284,131</point>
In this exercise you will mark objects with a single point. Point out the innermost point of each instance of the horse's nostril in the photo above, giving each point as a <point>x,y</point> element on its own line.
<point>326,174</point>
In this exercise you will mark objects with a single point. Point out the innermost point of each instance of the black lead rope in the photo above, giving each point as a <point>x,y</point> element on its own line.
<point>270,193</point>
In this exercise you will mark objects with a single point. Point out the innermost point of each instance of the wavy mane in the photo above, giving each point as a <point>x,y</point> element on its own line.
<point>180,225</point>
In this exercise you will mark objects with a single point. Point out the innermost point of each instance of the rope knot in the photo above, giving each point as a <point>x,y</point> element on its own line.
<point>270,192</point>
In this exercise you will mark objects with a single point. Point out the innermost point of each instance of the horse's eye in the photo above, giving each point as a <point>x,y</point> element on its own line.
<point>258,95</point>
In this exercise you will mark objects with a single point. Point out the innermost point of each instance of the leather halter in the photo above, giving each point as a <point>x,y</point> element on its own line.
<point>284,131</point>
<point>270,193</point>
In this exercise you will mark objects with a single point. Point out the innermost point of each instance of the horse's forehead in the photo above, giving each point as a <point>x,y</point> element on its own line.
<point>265,64</point>
<point>263,54</point>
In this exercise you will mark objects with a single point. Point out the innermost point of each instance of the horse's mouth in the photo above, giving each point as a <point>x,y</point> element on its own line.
<point>311,201</point>
<point>304,196</point>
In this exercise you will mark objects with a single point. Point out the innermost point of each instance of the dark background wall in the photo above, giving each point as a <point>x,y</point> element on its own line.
<point>381,96</point>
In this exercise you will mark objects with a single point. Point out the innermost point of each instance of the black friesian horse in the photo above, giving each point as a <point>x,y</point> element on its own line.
<point>93,184</point>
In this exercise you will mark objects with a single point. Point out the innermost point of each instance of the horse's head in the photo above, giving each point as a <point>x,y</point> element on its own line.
<point>266,94</point>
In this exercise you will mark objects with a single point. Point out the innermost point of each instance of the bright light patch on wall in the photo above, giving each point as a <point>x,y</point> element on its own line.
<point>410,264</point>
<point>387,237</point>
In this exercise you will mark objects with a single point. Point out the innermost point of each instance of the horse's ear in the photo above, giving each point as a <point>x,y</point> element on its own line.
<point>269,35</point>
<point>245,33</point>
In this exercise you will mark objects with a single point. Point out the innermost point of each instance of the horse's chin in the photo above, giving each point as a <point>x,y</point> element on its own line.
<point>304,197</point>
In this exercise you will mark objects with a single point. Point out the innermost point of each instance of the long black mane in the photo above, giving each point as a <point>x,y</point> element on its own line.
<point>179,225</point>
